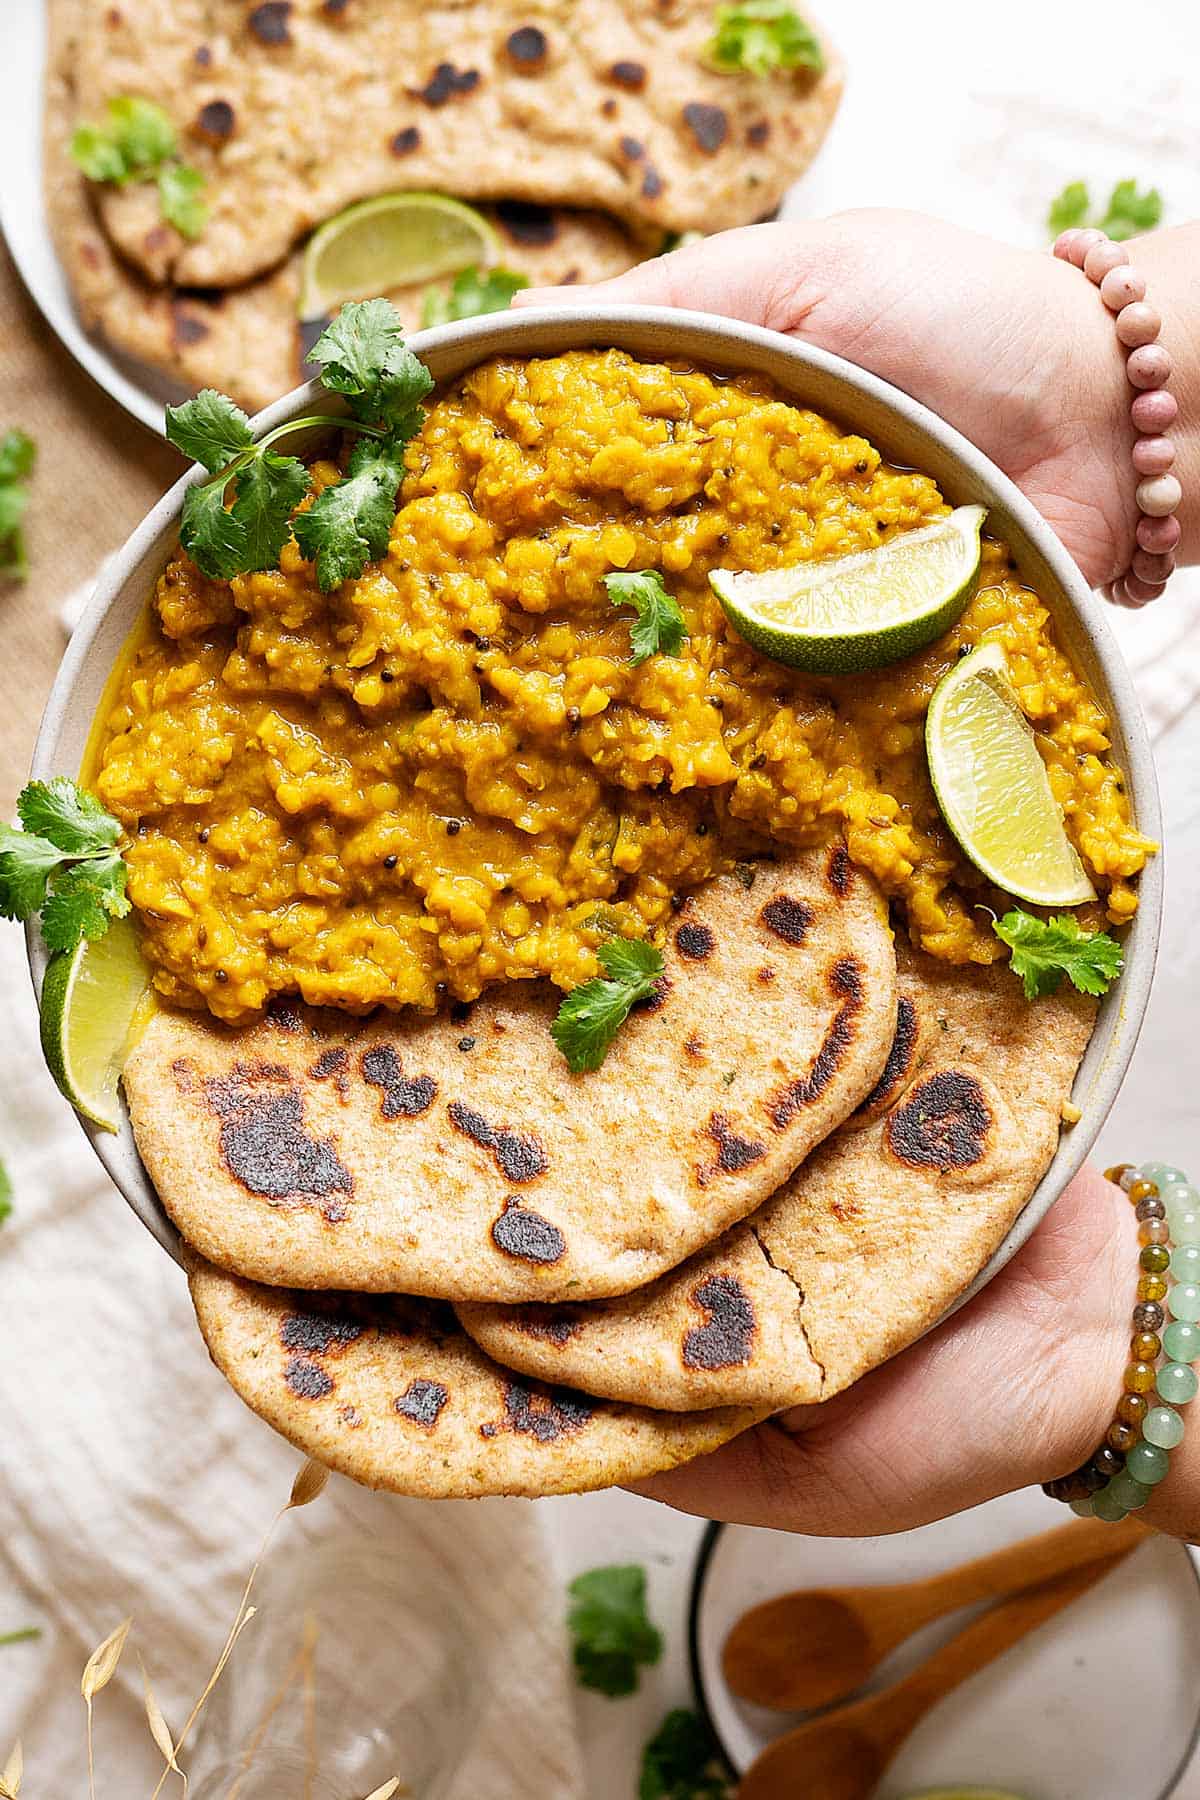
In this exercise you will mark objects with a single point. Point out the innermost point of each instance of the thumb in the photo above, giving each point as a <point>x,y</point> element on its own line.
<point>759,274</point>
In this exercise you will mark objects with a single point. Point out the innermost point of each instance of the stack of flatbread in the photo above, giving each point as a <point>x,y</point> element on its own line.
<point>587,130</point>
<point>439,1262</point>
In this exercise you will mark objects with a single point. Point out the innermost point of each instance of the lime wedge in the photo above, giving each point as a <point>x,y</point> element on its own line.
<point>94,999</point>
<point>849,613</point>
<point>992,785</point>
<point>394,240</point>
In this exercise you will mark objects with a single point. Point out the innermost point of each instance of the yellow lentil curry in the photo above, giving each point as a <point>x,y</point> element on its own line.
<point>448,772</point>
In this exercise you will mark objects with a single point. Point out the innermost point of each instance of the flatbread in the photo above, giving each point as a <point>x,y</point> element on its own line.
<point>392,1393</point>
<point>458,1157</point>
<point>868,1243</point>
<point>600,104</point>
<point>247,341</point>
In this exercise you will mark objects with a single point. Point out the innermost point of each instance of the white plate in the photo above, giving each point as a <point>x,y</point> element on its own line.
<point>1100,1703</point>
<point>23,217</point>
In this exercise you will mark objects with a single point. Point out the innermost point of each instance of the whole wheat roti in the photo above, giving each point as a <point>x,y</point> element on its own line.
<point>294,110</point>
<point>459,1157</point>
<point>869,1241</point>
<point>391,1392</point>
<point>247,341</point>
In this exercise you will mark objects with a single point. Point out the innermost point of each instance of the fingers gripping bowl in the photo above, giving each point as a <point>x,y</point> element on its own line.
<point>904,433</point>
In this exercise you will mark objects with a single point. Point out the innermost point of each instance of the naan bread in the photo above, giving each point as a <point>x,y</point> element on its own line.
<point>312,104</point>
<point>460,1158</point>
<point>248,341</point>
<point>869,1241</point>
<point>392,1393</point>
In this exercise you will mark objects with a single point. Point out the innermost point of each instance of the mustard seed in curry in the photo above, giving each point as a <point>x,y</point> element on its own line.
<point>448,773</point>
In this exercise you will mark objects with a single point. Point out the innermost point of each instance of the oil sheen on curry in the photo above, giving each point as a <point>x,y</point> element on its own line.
<point>448,773</point>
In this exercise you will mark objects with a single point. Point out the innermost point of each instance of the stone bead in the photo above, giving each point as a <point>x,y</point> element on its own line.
<point>1085,240</point>
<point>1140,1189</point>
<point>1155,1259</point>
<point>1121,1437</point>
<point>1064,241</point>
<point>1150,1208</point>
<point>1133,1408</point>
<point>1158,495</point>
<point>1149,1317</point>
<point>1139,591</point>
<point>1181,1341</point>
<point>1148,1464</point>
<point>1149,366</point>
<point>1107,1463</point>
<point>1119,595</point>
<point>1145,1346</point>
<point>1184,1302</point>
<point>1083,1508</point>
<point>1128,1491</point>
<point>1121,288</point>
<point>1139,1378</point>
<point>1151,1287</point>
<point>1153,455</point>
<point>1177,1383</point>
<point>1103,257</point>
<point>1138,323</point>
<point>1163,1428</point>
<point>1122,1175</point>
<point>1095,1478</point>
<point>1153,1231</point>
<point>1163,1174</point>
<point>1159,536</point>
<point>1106,1506</point>
<point>1185,1226</point>
<point>1185,1262</point>
<point>1155,411</point>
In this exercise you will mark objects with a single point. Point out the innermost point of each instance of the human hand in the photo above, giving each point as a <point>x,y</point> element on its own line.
<point>1018,1387</point>
<point>1011,346</point>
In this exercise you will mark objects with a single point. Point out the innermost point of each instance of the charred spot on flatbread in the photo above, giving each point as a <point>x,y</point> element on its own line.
<point>845,981</point>
<point>527,223</point>
<point>526,1235</point>
<point>533,1410</point>
<point>404,1096</point>
<point>734,1153</point>
<point>709,125</point>
<point>316,1334</point>
<point>901,1058</point>
<point>333,1065</point>
<point>264,1144</point>
<point>307,1380</point>
<point>422,1402</point>
<point>628,75</point>
<point>447,83</point>
<point>284,1010</point>
<point>652,183</point>
<point>944,1124</point>
<point>271,22</point>
<point>839,870</point>
<point>526,48</point>
<point>725,1339</point>
<point>403,143</point>
<point>518,1155</point>
<point>758,133</point>
<point>552,1324</point>
<point>789,919</point>
<point>695,941</point>
<point>215,121</point>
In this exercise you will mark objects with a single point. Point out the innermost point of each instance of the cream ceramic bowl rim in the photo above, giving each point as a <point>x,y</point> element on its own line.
<point>901,428</point>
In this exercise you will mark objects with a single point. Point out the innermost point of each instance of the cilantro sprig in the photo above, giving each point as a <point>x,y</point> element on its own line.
<point>17,457</point>
<point>474,291</point>
<point>63,863</point>
<point>592,1014</point>
<point>759,37</point>
<point>682,1761</point>
<point>363,357</point>
<point>1044,950</point>
<point>659,624</point>
<point>6,1196</point>
<point>611,1632</point>
<point>1129,210</point>
<point>138,142</point>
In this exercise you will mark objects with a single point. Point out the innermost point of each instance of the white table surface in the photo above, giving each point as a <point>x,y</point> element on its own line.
<point>984,119</point>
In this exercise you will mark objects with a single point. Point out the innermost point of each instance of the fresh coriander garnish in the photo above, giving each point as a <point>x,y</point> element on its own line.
<point>63,863</point>
<point>6,1194</point>
<point>659,624</point>
<point>682,1761</point>
<point>17,456</point>
<point>592,1014</point>
<point>758,37</point>
<point>475,291</point>
<point>611,1632</point>
<point>139,143</point>
<point>1129,210</point>
<point>364,357</point>
<point>25,1635</point>
<point>1044,950</point>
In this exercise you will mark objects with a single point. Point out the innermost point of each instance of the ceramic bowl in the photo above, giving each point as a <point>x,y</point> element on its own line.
<point>904,431</point>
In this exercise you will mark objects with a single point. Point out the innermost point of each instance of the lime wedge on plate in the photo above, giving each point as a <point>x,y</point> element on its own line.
<point>849,613</point>
<point>394,240</point>
<point>992,785</point>
<point>94,998</point>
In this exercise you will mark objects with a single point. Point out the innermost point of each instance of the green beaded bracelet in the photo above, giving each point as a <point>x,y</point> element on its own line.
<point>1136,1453</point>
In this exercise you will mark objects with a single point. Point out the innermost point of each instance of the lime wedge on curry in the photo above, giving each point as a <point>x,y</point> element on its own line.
<point>992,786</point>
<point>391,241</point>
<point>844,614</point>
<point>94,999</point>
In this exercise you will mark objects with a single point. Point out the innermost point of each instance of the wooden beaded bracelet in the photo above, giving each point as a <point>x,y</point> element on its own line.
<point>1153,411</point>
<point>1135,1454</point>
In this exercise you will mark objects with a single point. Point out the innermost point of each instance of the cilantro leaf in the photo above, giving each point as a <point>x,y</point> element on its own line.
<point>25,864</point>
<point>6,1193</point>
<point>1044,950</point>
<point>761,36</point>
<point>474,291</point>
<point>350,522</point>
<point>269,489</point>
<point>18,453</point>
<point>17,457</point>
<point>141,131</point>
<point>611,1631</point>
<point>1069,208</point>
<point>1130,211</point>
<point>216,541</point>
<point>682,1761</point>
<point>97,156</point>
<point>181,198</point>
<point>363,355</point>
<point>72,819</point>
<point>209,429</point>
<point>659,624</point>
<point>592,1014</point>
<point>83,900</point>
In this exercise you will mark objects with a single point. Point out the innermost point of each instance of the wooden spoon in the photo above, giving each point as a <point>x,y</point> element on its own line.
<point>842,1755</point>
<point>805,1650</point>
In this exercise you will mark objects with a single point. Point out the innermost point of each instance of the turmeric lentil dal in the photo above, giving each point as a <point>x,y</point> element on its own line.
<point>448,773</point>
